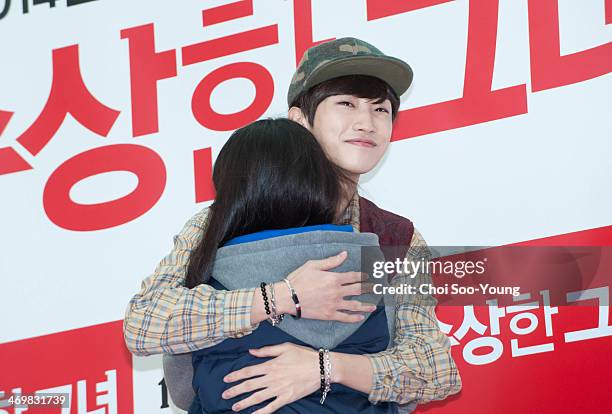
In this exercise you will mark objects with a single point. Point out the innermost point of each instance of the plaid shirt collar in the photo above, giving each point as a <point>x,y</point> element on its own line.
<point>351,214</point>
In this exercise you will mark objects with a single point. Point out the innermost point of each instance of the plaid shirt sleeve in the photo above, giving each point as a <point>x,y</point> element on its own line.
<point>167,317</point>
<point>419,366</point>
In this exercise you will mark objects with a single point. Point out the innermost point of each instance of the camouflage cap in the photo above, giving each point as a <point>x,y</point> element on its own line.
<point>348,56</point>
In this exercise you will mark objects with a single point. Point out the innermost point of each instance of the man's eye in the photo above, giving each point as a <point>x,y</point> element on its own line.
<point>345,103</point>
<point>382,110</point>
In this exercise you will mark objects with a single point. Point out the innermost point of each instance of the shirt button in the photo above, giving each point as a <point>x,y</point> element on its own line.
<point>387,380</point>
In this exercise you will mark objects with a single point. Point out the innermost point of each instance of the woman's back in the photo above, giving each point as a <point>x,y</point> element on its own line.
<point>273,175</point>
<point>271,259</point>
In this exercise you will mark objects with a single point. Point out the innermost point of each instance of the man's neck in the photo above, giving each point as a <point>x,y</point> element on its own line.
<point>348,192</point>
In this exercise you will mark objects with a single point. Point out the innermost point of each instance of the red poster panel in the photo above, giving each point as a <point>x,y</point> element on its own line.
<point>90,366</point>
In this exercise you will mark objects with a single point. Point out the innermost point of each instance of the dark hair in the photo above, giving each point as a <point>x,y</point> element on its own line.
<point>271,174</point>
<point>361,86</point>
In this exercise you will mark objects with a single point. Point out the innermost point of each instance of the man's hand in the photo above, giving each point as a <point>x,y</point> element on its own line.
<point>321,292</point>
<point>291,375</point>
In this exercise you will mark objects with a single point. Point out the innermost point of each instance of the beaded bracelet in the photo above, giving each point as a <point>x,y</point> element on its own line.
<point>325,370</point>
<point>262,286</point>
<point>274,318</point>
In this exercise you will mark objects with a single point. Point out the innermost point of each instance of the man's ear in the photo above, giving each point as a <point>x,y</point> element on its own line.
<point>296,115</point>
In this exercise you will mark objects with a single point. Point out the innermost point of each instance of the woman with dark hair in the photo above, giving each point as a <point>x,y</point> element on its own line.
<point>277,195</point>
<point>271,174</point>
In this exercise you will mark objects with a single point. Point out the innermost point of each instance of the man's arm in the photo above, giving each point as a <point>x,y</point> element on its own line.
<point>419,367</point>
<point>167,317</point>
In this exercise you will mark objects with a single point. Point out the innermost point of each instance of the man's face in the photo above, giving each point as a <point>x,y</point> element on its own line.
<point>354,132</point>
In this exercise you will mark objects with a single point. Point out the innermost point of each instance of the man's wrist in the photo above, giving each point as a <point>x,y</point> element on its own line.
<point>337,363</point>
<point>284,302</point>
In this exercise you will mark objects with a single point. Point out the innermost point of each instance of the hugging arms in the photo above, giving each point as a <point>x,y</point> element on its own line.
<point>350,114</point>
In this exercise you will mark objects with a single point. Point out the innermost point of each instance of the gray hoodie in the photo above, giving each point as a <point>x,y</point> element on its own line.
<point>271,260</point>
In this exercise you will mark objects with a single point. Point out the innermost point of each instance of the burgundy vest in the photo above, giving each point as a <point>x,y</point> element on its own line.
<point>394,232</point>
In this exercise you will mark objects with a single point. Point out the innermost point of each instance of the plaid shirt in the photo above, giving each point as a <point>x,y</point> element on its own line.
<point>167,317</point>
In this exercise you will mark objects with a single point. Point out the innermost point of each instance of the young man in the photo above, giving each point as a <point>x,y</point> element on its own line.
<point>346,93</point>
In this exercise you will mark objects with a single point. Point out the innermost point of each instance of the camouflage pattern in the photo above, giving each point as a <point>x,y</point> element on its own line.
<point>347,56</point>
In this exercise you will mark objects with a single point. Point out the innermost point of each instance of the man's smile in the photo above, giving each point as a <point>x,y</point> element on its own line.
<point>362,142</point>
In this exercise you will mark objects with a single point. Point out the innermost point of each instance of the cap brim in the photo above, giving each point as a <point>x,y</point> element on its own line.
<point>397,73</point>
